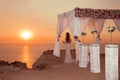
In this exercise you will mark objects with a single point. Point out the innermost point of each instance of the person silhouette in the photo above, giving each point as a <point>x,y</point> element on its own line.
<point>68,57</point>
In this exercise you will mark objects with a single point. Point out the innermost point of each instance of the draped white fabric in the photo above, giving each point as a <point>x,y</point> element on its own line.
<point>61,23</point>
<point>99,29</point>
<point>60,28</point>
<point>77,25</point>
<point>117,23</point>
<point>98,25</point>
<point>111,62</point>
<point>83,59</point>
<point>77,48</point>
<point>56,51</point>
<point>83,24</point>
<point>73,22</point>
<point>95,58</point>
<point>74,25</point>
<point>68,57</point>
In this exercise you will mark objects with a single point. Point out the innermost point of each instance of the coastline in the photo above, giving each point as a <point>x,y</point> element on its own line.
<point>56,70</point>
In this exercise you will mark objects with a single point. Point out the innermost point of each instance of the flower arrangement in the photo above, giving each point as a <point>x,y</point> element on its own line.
<point>83,33</point>
<point>93,31</point>
<point>111,29</point>
<point>75,37</point>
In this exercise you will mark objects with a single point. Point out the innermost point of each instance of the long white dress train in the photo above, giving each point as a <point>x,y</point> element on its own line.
<point>68,57</point>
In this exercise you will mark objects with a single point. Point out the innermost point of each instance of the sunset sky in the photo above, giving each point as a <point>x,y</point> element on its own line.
<point>39,17</point>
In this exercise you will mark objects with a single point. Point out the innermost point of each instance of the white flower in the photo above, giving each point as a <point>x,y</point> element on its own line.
<point>111,29</point>
<point>83,33</point>
<point>93,31</point>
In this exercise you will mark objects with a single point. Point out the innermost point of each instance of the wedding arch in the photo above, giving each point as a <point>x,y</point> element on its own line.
<point>77,20</point>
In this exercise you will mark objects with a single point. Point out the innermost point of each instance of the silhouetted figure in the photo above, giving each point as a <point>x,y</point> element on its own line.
<point>68,58</point>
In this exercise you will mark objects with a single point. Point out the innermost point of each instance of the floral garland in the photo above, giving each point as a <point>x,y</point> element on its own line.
<point>97,13</point>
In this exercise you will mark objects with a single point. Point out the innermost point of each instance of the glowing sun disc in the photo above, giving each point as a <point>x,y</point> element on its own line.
<point>26,34</point>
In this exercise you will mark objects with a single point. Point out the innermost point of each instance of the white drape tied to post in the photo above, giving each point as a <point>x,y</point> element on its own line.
<point>77,48</point>
<point>83,59</point>
<point>56,51</point>
<point>75,30</point>
<point>83,24</point>
<point>117,23</point>
<point>99,29</point>
<point>60,28</point>
<point>74,26</point>
<point>98,25</point>
<point>95,58</point>
<point>111,62</point>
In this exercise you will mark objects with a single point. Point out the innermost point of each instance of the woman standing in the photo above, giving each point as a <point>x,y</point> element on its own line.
<point>68,58</point>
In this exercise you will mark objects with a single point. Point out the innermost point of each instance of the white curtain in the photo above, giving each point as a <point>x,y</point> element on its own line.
<point>56,50</point>
<point>83,60</point>
<point>74,24</point>
<point>98,25</point>
<point>117,23</point>
<point>60,28</point>
<point>83,24</point>
<point>95,58</point>
<point>77,25</point>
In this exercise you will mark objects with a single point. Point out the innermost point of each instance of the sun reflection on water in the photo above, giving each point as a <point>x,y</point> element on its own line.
<point>26,56</point>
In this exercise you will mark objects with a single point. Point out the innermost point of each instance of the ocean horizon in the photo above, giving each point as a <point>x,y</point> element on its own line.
<point>29,53</point>
<point>24,53</point>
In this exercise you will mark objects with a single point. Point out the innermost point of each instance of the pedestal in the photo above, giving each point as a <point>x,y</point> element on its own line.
<point>83,56</point>
<point>111,62</point>
<point>95,58</point>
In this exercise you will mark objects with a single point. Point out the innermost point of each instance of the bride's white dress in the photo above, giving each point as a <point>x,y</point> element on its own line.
<point>68,57</point>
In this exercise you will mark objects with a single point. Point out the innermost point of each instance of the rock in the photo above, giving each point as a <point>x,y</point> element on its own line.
<point>10,68</point>
<point>19,65</point>
<point>48,60</point>
<point>4,63</point>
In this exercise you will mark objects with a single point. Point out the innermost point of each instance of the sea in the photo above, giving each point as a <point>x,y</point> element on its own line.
<point>23,53</point>
<point>29,53</point>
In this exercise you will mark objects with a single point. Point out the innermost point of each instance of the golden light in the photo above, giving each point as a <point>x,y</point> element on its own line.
<point>26,34</point>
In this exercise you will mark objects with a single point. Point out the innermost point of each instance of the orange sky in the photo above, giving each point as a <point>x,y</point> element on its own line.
<point>40,17</point>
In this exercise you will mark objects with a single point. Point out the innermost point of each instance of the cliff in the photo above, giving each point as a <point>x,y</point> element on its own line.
<point>48,60</point>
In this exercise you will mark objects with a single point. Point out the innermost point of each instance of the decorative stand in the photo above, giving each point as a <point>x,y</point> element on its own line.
<point>95,58</point>
<point>83,56</point>
<point>111,62</point>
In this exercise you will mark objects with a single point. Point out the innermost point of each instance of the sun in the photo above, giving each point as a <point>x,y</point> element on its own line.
<point>25,34</point>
